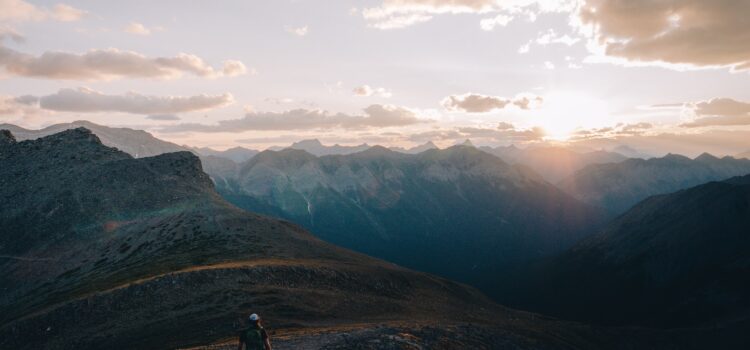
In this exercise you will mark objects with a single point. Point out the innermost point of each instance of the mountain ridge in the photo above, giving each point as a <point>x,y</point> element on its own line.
<point>386,203</point>
<point>673,260</point>
<point>618,186</point>
<point>151,236</point>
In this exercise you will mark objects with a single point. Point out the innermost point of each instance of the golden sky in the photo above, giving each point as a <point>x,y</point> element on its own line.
<point>657,75</point>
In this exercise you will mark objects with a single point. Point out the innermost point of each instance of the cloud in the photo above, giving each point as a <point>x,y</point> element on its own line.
<point>635,129</point>
<point>719,112</point>
<point>137,29</point>
<point>83,100</point>
<point>66,13</point>
<point>489,24</point>
<point>163,117</point>
<point>393,14</point>
<point>306,119</point>
<point>22,11</point>
<point>366,90</point>
<point>716,142</point>
<point>19,107</point>
<point>675,33</point>
<point>478,103</point>
<point>551,37</point>
<point>12,34</point>
<point>621,129</point>
<point>110,64</point>
<point>299,31</point>
<point>503,132</point>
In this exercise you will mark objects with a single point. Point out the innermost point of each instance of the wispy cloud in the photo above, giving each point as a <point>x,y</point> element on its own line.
<point>140,29</point>
<point>21,11</point>
<point>394,14</point>
<point>367,90</point>
<point>111,64</point>
<point>478,103</point>
<point>306,119</point>
<point>719,112</point>
<point>298,31</point>
<point>84,100</point>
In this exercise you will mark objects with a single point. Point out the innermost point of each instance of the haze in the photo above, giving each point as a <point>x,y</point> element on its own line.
<point>659,77</point>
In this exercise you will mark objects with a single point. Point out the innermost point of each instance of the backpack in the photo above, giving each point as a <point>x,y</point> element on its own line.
<point>254,339</point>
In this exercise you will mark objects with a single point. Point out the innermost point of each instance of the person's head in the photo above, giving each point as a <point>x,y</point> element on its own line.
<point>254,319</point>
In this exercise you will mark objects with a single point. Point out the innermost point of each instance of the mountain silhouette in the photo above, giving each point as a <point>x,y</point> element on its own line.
<point>99,249</point>
<point>137,143</point>
<point>617,187</point>
<point>553,163</point>
<point>235,154</point>
<point>674,260</point>
<point>458,212</point>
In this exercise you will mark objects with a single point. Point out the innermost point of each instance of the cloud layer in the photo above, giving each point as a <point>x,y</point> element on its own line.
<point>20,11</point>
<point>503,133</point>
<point>681,32</point>
<point>110,64</point>
<point>478,103</point>
<point>719,112</point>
<point>393,14</point>
<point>83,100</point>
<point>367,90</point>
<point>306,119</point>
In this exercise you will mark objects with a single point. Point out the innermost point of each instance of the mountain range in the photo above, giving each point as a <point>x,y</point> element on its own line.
<point>553,163</point>
<point>458,212</point>
<point>137,143</point>
<point>235,154</point>
<point>676,260</point>
<point>100,249</point>
<point>618,186</point>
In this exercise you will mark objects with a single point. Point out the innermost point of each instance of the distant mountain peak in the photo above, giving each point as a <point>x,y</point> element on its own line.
<point>467,143</point>
<point>307,143</point>
<point>377,150</point>
<point>705,156</point>
<point>673,156</point>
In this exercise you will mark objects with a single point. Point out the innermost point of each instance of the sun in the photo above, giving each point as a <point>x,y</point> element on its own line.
<point>563,112</point>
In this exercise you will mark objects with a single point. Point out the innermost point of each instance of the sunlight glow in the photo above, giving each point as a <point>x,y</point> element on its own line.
<point>565,111</point>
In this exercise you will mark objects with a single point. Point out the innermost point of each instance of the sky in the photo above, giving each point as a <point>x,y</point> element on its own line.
<point>656,75</point>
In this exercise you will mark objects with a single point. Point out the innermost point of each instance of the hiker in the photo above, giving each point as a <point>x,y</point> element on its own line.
<point>254,337</point>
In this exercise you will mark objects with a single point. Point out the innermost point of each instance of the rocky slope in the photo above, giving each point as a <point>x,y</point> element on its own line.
<point>99,249</point>
<point>459,212</point>
<point>675,260</point>
<point>617,187</point>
